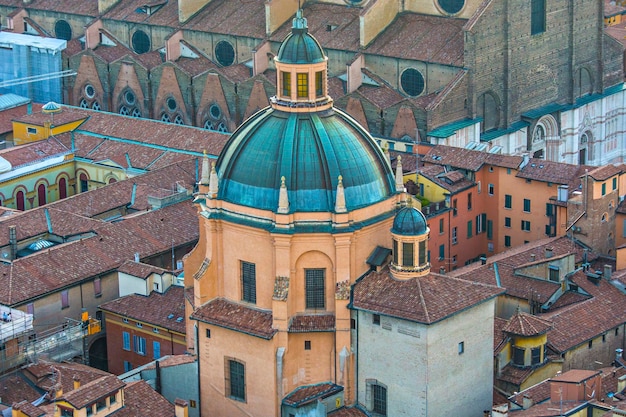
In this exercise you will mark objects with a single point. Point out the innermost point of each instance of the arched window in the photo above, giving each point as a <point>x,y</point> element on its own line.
<point>41,194</point>
<point>112,180</point>
<point>84,183</point>
<point>487,108</point>
<point>63,30</point>
<point>19,200</point>
<point>62,188</point>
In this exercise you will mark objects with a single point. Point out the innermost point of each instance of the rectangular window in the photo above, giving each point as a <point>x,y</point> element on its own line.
<point>490,189</point>
<point>379,400</point>
<point>128,366</point>
<point>319,84</point>
<point>507,241</point>
<point>526,225</point>
<point>590,344</point>
<point>97,287</point>
<point>553,273</point>
<point>469,201</point>
<point>112,399</point>
<point>31,131</point>
<point>208,333</point>
<point>469,229</point>
<point>537,17</point>
<point>507,222</point>
<point>481,219</point>
<point>407,254</point>
<point>489,229</point>
<point>139,345</point>
<point>248,282</point>
<point>376,319</point>
<point>508,201</point>
<point>236,380</point>
<point>603,188</point>
<point>442,252</point>
<point>454,207</point>
<point>527,205</point>
<point>395,248</point>
<point>303,85</point>
<point>314,288</point>
<point>454,238</point>
<point>441,228</point>
<point>65,299</point>
<point>518,356</point>
<point>549,209</point>
<point>156,350</point>
<point>535,356</point>
<point>615,183</point>
<point>307,345</point>
<point>461,347</point>
<point>125,340</point>
<point>422,253</point>
<point>286,83</point>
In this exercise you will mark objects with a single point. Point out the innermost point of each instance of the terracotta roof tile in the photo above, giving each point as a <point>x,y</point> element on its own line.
<point>93,391</point>
<point>238,18</point>
<point>549,171</point>
<point>312,323</point>
<point>308,393</point>
<point>16,387</point>
<point>34,152</point>
<point>422,38</point>
<point>141,399</point>
<point>236,73</point>
<point>612,8</point>
<point>426,299</point>
<point>65,116</point>
<point>524,324</point>
<point>237,317</point>
<point>129,11</point>
<point>139,270</point>
<point>437,174</point>
<point>76,7</point>
<point>155,310</point>
<point>578,323</point>
<point>537,393</point>
<point>514,375</point>
<point>348,412</point>
<point>7,116</point>
<point>605,172</point>
<point>28,409</point>
<point>195,66</point>
<point>48,374</point>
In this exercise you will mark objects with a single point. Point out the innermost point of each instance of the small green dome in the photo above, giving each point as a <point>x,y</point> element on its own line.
<point>311,150</point>
<point>409,221</point>
<point>299,47</point>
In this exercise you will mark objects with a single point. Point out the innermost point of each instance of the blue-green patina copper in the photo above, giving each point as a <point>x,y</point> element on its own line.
<point>409,221</point>
<point>299,47</point>
<point>311,150</point>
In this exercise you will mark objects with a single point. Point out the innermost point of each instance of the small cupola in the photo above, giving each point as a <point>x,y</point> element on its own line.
<point>410,243</point>
<point>301,69</point>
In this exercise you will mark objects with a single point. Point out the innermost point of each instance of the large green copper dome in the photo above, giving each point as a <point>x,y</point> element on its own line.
<point>311,150</point>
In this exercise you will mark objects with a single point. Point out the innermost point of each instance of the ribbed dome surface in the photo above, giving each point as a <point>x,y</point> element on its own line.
<point>300,48</point>
<point>310,150</point>
<point>409,221</point>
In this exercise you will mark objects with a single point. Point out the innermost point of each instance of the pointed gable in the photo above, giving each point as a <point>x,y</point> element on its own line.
<point>405,124</point>
<point>257,99</point>
<point>355,109</point>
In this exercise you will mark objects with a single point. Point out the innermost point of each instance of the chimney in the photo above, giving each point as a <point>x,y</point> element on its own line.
<point>76,382</point>
<point>608,270</point>
<point>181,407</point>
<point>13,242</point>
<point>525,161</point>
<point>548,252</point>
<point>483,260</point>
<point>500,410</point>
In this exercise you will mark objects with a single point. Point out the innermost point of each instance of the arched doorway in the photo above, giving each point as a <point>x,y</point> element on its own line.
<point>98,354</point>
<point>19,200</point>
<point>62,188</point>
<point>41,194</point>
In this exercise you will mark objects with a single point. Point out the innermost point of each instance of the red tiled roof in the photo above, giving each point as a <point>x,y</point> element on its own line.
<point>75,7</point>
<point>466,158</point>
<point>34,152</point>
<point>524,324</point>
<point>128,11</point>
<point>537,393</point>
<point>436,174</point>
<point>549,171</point>
<point>93,391</point>
<point>605,172</point>
<point>236,317</point>
<point>347,412</point>
<point>308,393</point>
<point>28,409</point>
<point>424,38</point>
<point>140,399</point>
<point>154,310</point>
<point>426,299</point>
<point>574,375</point>
<point>312,323</point>
<point>139,270</point>
<point>230,18</point>
<point>49,374</point>
<point>514,375</point>
<point>499,337</point>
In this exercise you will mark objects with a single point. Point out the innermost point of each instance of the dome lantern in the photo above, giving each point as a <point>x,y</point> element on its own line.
<point>410,243</point>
